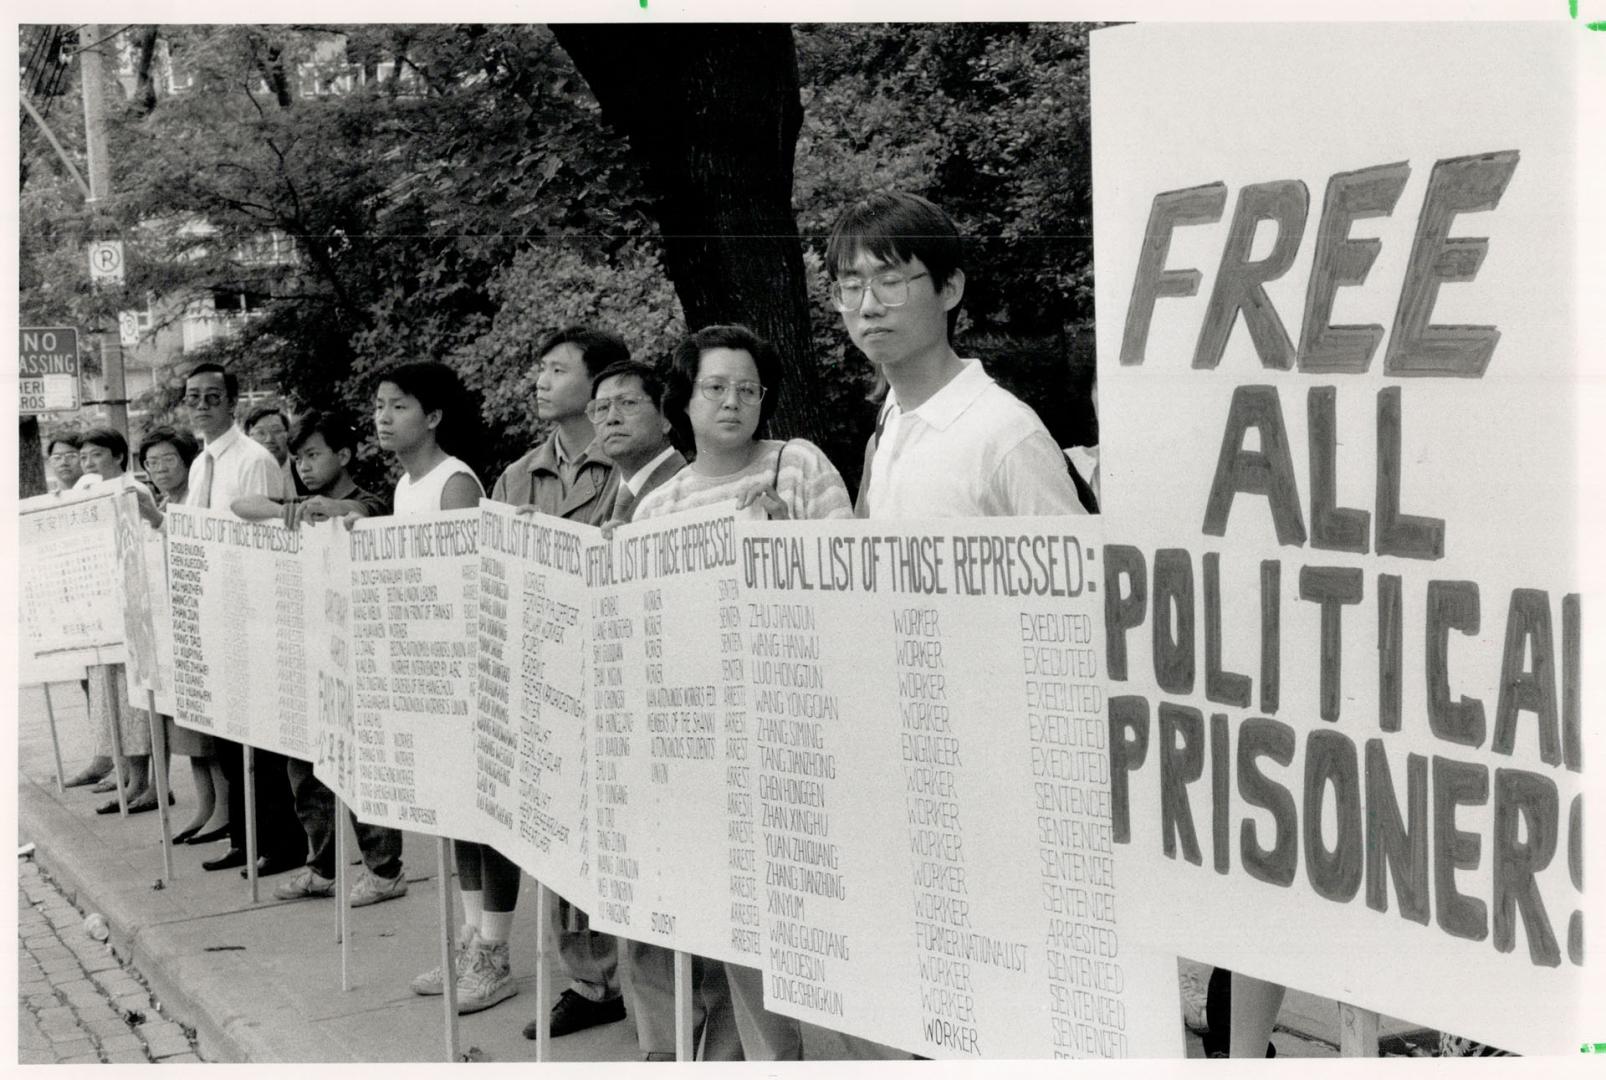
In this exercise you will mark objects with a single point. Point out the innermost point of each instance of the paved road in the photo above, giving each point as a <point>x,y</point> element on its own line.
<point>75,1003</point>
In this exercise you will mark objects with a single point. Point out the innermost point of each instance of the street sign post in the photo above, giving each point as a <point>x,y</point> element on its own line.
<point>47,361</point>
<point>106,262</point>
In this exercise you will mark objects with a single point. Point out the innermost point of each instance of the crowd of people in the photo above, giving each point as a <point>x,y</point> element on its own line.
<point>628,441</point>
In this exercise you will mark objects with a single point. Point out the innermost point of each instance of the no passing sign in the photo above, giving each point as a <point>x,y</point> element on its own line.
<point>47,361</point>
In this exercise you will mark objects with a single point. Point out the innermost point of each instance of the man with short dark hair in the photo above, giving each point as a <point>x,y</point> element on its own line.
<point>566,475</point>
<point>62,453</point>
<point>627,412</point>
<point>324,446</point>
<point>231,465</point>
<point>269,425</point>
<point>569,476</point>
<point>949,442</point>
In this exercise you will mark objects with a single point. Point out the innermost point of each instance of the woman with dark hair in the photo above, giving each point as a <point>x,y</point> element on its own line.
<point>165,455</point>
<point>724,385</point>
<point>103,453</point>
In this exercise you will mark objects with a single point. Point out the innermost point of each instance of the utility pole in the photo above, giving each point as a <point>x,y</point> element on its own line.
<point>92,72</point>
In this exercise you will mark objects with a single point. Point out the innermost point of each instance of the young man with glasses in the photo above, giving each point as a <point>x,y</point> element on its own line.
<point>949,442</point>
<point>568,476</point>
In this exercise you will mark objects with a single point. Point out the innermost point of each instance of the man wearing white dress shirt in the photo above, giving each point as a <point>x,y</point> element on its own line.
<point>230,465</point>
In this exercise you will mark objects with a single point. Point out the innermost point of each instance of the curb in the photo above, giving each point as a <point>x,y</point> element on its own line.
<point>213,993</point>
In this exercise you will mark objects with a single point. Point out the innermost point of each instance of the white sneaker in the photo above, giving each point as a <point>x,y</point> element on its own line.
<point>373,889</point>
<point>304,886</point>
<point>430,982</point>
<point>489,979</point>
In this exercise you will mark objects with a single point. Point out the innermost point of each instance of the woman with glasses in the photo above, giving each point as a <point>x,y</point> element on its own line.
<point>165,455</point>
<point>724,386</point>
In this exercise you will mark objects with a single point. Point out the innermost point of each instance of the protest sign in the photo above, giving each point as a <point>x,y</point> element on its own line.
<point>154,550</point>
<point>327,548</point>
<point>414,616</point>
<point>1337,349</point>
<point>242,598</point>
<point>531,747</point>
<point>932,790</point>
<point>675,853</point>
<point>68,572</point>
<point>147,616</point>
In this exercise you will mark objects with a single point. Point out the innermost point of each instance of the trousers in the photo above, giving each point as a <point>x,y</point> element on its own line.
<point>315,805</point>
<point>279,835</point>
<point>649,985</point>
<point>590,959</point>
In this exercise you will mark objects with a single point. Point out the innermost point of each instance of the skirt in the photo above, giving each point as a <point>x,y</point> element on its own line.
<point>108,704</point>
<point>183,740</point>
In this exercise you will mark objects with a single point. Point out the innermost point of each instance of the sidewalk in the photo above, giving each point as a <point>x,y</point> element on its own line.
<point>261,983</point>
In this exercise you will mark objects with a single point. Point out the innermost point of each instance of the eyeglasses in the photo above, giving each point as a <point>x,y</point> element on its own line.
<point>209,399</point>
<point>627,405</point>
<point>154,461</point>
<point>69,455</point>
<point>890,290</point>
<point>715,389</point>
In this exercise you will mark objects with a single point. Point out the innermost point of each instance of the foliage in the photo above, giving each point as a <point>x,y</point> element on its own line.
<point>991,121</point>
<point>468,198</point>
<point>406,198</point>
<point>550,285</point>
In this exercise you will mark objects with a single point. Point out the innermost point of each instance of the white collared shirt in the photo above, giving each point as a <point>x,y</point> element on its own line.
<point>972,449</point>
<point>240,466</point>
<point>639,477</point>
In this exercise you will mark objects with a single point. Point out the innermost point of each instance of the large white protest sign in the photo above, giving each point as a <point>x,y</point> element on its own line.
<point>1336,308</point>
<point>68,573</point>
<point>933,800</point>
<point>242,598</point>
<point>414,623</point>
<point>675,851</point>
<point>531,747</point>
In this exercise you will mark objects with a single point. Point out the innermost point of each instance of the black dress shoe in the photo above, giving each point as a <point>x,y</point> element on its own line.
<point>183,835</point>
<point>109,808</point>
<point>145,806</point>
<point>208,836</point>
<point>575,1013</point>
<point>268,866</point>
<point>226,861</point>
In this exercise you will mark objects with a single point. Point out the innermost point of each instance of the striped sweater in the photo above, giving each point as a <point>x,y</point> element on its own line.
<point>809,485</point>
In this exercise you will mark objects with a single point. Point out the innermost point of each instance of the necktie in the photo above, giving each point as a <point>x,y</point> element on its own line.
<point>205,500</point>
<point>623,503</point>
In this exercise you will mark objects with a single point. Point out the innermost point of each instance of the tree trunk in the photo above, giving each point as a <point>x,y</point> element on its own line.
<point>31,465</point>
<point>712,112</point>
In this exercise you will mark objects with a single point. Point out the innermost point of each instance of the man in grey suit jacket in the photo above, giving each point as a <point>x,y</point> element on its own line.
<point>627,411</point>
